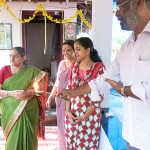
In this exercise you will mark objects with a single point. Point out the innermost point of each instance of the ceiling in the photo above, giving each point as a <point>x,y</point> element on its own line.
<point>54,0</point>
<point>84,5</point>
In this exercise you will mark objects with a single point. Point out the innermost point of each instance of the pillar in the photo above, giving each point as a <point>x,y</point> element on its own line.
<point>102,14</point>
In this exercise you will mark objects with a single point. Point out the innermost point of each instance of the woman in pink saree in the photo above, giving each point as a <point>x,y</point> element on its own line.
<point>61,83</point>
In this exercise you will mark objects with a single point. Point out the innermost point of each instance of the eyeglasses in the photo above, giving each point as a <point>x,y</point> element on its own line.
<point>118,6</point>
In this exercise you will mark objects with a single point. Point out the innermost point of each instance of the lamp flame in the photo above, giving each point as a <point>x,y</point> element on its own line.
<point>35,85</point>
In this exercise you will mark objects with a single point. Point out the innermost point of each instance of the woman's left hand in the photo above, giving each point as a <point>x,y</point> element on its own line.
<point>78,119</point>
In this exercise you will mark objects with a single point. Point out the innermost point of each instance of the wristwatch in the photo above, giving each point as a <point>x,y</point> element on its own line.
<point>122,92</point>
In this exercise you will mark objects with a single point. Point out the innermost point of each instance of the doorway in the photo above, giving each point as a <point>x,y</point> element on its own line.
<point>34,40</point>
<point>33,34</point>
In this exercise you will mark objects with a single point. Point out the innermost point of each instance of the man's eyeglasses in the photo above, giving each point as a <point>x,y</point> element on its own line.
<point>118,6</point>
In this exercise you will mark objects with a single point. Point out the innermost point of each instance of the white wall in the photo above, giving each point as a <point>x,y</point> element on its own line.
<point>15,7</point>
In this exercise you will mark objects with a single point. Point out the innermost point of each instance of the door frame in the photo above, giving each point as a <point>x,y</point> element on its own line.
<point>25,14</point>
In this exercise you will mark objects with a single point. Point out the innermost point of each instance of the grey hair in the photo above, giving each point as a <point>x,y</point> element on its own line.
<point>21,52</point>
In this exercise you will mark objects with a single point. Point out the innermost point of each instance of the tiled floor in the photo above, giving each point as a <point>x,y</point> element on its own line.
<point>50,142</point>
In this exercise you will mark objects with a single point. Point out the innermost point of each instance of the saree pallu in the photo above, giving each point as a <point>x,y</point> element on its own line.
<point>21,119</point>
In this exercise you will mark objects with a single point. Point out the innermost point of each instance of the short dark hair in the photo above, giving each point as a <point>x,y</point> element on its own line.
<point>70,43</point>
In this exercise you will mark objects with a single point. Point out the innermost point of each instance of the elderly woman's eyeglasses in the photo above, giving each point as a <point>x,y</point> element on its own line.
<point>118,6</point>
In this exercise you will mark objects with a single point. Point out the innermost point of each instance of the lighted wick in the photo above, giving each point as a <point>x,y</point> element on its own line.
<point>35,85</point>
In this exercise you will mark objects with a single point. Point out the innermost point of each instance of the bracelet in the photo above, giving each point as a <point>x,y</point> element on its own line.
<point>6,93</point>
<point>84,118</point>
<point>122,92</point>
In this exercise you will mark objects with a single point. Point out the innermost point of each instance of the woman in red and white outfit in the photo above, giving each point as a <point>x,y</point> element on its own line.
<point>82,121</point>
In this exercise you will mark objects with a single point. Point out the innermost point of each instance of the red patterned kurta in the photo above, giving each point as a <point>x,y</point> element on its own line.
<point>85,135</point>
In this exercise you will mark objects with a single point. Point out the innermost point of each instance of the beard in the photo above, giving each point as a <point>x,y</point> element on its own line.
<point>131,20</point>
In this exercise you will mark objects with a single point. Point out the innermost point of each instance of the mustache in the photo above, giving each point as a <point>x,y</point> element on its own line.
<point>119,18</point>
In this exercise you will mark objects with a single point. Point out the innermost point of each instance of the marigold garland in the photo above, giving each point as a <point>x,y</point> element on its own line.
<point>44,13</point>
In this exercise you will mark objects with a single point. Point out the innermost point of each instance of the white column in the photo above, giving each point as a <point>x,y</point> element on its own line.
<point>102,13</point>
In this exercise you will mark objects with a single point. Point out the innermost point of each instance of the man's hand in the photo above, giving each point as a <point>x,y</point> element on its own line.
<point>64,94</point>
<point>115,85</point>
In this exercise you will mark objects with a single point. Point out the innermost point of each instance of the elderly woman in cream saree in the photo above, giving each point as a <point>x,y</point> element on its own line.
<point>21,119</point>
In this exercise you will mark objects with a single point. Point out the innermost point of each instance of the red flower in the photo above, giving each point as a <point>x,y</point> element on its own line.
<point>82,140</point>
<point>80,96</point>
<point>98,115</point>
<point>97,133</point>
<point>79,110</point>
<point>95,142</point>
<point>91,135</point>
<point>67,130</point>
<point>97,129</point>
<point>73,129</point>
<point>66,135</point>
<point>78,137</point>
<point>87,98</point>
<point>94,146</point>
<point>86,104</point>
<point>98,120</point>
<point>92,122</point>
<point>89,140</point>
<point>67,117</point>
<point>84,131</point>
<point>85,127</point>
<point>79,105</point>
<point>73,110</point>
<point>67,121</point>
<point>82,145</point>
<point>73,101</point>
<point>92,127</point>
